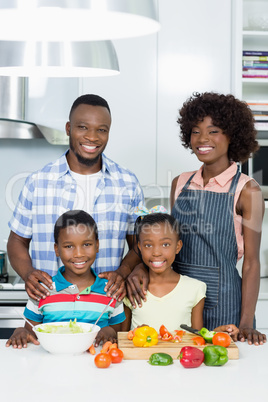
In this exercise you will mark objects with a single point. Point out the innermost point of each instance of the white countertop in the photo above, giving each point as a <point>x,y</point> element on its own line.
<point>32,374</point>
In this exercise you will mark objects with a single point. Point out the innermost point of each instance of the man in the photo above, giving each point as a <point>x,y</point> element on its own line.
<point>82,178</point>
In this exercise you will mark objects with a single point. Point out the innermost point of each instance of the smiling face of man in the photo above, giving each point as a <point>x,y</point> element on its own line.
<point>88,130</point>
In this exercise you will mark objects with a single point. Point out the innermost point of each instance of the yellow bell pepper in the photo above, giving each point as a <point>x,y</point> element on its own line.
<point>145,336</point>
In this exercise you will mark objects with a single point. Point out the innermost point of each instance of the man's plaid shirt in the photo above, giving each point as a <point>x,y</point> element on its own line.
<point>50,192</point>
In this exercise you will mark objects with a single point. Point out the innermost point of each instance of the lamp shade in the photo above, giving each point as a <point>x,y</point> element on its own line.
<point>76,20</point>
<point>58,59</point>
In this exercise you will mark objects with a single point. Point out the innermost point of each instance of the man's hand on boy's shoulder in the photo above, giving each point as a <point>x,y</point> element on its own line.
<point>34,287</point>
<point>115,286</point>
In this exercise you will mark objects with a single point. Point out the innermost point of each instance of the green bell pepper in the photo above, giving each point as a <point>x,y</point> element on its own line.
<point>215,355</point>
<point>160,359</point>
<point>207,335</point>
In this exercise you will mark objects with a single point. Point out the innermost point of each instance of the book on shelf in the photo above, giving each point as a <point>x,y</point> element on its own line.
<point>260,113</point>
<point>255,53</point>
<point>261,125</point>
<point>258,106</point>
<point>254,76</point>
<point>261,119</point>
<point>252,71</point>
<point>259,65</point>
<point>255,58</point>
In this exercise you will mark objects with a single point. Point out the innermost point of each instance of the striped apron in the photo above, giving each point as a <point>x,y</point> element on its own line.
<point>209,251</point>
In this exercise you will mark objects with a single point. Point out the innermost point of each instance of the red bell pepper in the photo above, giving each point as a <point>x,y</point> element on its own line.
<point>191,357</point>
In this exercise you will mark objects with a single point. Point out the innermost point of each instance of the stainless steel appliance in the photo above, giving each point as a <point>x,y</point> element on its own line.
<point>13,298</point>
<point>13,101</point>
<point>3,267</point>
<point>257,166</point>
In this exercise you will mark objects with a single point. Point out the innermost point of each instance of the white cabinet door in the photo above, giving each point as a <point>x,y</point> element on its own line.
<point>194,55</point>
<point>132,99</point>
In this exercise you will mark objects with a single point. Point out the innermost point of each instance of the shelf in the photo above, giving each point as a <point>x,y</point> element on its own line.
<point>255,80</point>
<point>255,33</point>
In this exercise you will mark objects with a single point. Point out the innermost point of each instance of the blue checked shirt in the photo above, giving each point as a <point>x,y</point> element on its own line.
<point>50,192</point>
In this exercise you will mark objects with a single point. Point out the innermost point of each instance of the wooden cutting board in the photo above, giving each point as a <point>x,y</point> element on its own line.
<point>132,352</point>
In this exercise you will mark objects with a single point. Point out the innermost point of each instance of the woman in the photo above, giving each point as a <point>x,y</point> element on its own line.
<point>220,210</point>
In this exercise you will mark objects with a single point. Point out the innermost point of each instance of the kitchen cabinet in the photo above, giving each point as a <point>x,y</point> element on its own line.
<point>250,27</point>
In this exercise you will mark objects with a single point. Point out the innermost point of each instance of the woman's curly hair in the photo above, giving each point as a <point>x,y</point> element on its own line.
<point>231,115</point>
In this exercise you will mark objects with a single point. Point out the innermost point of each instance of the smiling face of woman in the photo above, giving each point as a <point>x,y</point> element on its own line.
<point>209,143</point>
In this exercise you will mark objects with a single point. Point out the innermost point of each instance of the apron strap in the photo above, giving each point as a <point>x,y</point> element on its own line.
<point>186,185</point>
<point>234,182</point>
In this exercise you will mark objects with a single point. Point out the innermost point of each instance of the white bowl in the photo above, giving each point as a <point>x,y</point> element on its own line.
<point>72,344</point>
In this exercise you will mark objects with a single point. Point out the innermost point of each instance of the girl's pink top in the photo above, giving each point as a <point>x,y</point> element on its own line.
<point>219,184</point>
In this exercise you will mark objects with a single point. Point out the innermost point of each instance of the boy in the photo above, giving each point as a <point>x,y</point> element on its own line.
<point>77,292</point>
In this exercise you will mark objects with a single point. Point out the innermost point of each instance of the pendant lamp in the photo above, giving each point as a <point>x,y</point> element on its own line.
<point>76,20</point>
<point>58,59</point>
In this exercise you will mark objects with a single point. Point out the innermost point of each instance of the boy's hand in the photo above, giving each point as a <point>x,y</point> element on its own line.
<point>104,335</point>
<point>20,338</point>
<point>137,285</point>
<point>252,335</point>
<point>116,285</point>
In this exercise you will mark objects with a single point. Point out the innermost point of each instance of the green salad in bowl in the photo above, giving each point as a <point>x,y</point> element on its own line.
<point>66,337</point>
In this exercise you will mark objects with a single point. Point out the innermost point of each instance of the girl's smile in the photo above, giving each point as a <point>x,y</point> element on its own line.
<point>159,244</point>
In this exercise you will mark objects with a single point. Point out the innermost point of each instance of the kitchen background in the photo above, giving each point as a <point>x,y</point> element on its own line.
<point>193,51</point>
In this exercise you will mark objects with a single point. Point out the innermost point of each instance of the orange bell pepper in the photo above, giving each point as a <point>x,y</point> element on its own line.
<point>198,340</point>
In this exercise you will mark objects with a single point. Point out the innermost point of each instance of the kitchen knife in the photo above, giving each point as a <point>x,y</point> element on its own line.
<point>190,329</point>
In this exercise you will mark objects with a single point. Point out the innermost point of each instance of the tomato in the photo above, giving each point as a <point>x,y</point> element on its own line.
<point>165,334</point>
<point>103,360</point>
<point>116,355</point>
<point>221,339</point>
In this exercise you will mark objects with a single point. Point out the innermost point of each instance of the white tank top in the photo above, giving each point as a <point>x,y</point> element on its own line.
<point>85,193</point>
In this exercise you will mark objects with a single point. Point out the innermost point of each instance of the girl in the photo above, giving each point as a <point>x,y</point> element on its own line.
<point>172,299</point>
<point>220,210</point>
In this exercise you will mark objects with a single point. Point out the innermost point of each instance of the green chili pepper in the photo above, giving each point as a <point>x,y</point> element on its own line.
<point>160,359</point>
<point>207,335</point>
<point>215,355</point>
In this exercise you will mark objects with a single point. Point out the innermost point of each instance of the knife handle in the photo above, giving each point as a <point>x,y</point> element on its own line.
<point>190,329</point>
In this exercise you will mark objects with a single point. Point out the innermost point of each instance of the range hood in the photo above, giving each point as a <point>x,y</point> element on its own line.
<point>12,115</point>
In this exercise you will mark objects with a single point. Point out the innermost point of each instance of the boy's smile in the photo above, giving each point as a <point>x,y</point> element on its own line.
<point>77,247</point>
